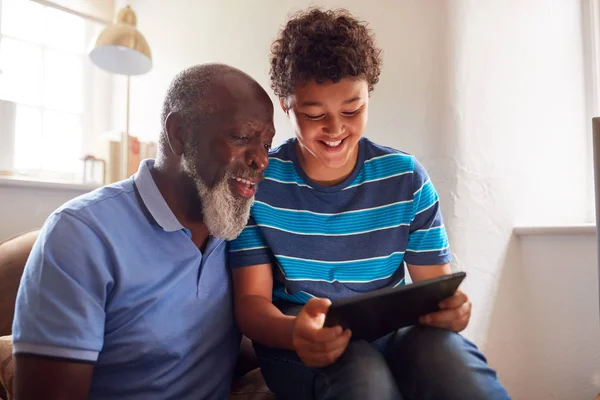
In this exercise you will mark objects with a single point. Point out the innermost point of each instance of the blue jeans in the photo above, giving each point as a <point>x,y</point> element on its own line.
<point>415,363</point>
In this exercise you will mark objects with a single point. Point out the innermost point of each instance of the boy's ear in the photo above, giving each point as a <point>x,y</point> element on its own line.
<point>284,106</point>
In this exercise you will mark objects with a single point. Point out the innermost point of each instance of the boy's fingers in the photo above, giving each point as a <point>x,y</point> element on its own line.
<point>455,301</point>
<point>339,342</point>
<point>323,359</point>
<point>321,335</point>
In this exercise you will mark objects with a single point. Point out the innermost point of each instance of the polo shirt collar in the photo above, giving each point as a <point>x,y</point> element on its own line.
<point>153,199</point>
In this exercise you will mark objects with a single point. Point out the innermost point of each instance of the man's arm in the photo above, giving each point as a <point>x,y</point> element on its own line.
<point>58,330</point>
<point>51,379</point>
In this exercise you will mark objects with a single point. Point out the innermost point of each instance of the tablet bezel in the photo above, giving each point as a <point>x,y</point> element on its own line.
<point>361,312</point>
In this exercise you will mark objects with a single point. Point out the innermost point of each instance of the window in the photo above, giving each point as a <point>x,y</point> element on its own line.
<point>46,72</point>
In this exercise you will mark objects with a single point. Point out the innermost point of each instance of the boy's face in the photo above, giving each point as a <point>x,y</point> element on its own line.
<point>329,119</point>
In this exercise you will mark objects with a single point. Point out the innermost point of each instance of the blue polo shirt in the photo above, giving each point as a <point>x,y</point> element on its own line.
<point>115,279</point>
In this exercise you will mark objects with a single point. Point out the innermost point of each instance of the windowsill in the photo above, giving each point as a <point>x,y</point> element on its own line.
<point>11,181</point>
<point>579,229</point>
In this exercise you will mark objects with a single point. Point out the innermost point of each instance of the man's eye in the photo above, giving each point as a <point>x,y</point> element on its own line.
<point>314,117</point>
<point>239,138</point>
<point>268,146</point>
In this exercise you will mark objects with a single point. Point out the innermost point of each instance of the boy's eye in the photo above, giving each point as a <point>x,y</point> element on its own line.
<point>314,117</point>
<point>351,113</point>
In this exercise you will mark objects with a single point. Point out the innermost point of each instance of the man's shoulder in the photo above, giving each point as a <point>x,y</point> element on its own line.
<point>98,209</point>
<point>99,200</point>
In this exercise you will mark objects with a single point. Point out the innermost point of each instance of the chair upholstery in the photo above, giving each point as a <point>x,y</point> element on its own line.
<point>13,256</point>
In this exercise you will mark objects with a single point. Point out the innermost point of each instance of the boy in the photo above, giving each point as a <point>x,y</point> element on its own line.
<point>338,215</point>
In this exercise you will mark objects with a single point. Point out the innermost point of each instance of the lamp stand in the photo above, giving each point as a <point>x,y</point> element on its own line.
<point>125,138</point>
<point>596,150</point>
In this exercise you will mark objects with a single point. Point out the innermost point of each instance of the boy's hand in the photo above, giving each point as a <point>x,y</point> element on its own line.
<point>315,345</point>
<point>454,314</point>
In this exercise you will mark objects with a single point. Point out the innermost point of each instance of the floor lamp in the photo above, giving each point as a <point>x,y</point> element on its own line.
<point>121,49</point>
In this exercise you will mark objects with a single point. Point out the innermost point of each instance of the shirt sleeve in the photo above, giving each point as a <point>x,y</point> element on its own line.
<point>60,307</point>
<point>427,240</point>
<point>249,248</point>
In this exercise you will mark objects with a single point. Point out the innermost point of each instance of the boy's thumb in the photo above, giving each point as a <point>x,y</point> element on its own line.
<point>316,306</point>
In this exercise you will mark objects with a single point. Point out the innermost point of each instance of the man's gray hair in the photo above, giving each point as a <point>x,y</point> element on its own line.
<point>187,95</point>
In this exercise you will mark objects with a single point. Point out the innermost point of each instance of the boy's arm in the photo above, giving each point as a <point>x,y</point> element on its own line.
<point>424,272</point>
<point>256,315</point>
<point>261,321</point>
<point>428,253</point>
<point>455,311</point>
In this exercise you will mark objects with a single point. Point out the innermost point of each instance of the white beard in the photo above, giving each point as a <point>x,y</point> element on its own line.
<point>224,215</point>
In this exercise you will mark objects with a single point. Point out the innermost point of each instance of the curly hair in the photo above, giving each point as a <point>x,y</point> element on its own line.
<point>323,46</point>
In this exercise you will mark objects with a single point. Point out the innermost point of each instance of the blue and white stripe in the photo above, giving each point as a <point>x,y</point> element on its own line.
<point>354,237</point>
<point>345,223</point>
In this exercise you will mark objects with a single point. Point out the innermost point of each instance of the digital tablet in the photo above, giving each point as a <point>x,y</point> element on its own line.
<point>374,314</point>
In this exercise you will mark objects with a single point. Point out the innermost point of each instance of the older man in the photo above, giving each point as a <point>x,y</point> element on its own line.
<point>126,293</point>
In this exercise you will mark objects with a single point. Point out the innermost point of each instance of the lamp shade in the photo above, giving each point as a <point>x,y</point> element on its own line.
<point>120,48</point>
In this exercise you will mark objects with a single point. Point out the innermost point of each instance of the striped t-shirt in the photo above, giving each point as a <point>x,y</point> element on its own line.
<point>337,241</point>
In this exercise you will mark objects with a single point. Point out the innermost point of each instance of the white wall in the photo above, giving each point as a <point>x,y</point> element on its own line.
<point>549,300</point>
<point>26,205</point>
<point>490,95</point>
<point>521,111</point>
<point>240,33</point>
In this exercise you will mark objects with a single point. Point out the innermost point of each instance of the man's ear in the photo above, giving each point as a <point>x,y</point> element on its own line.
<point>176,133</point>
<point>284,106</point>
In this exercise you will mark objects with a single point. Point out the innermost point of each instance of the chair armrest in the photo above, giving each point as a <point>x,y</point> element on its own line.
<point>7,367</point>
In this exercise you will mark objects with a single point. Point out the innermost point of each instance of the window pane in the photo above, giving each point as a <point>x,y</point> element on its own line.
<point>61,141</point>
<point>21,79</point>
<point>65,31</point>
<point>23,19</point>
<point>63,81</point>
<point>28,135</point>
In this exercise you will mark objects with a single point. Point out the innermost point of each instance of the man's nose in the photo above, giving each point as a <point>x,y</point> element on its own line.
<point>257,157</point>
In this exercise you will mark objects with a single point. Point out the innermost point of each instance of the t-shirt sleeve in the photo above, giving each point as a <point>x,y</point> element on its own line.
<point>60,307</point>
<point>427,240</point>
<point>249,248</point>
